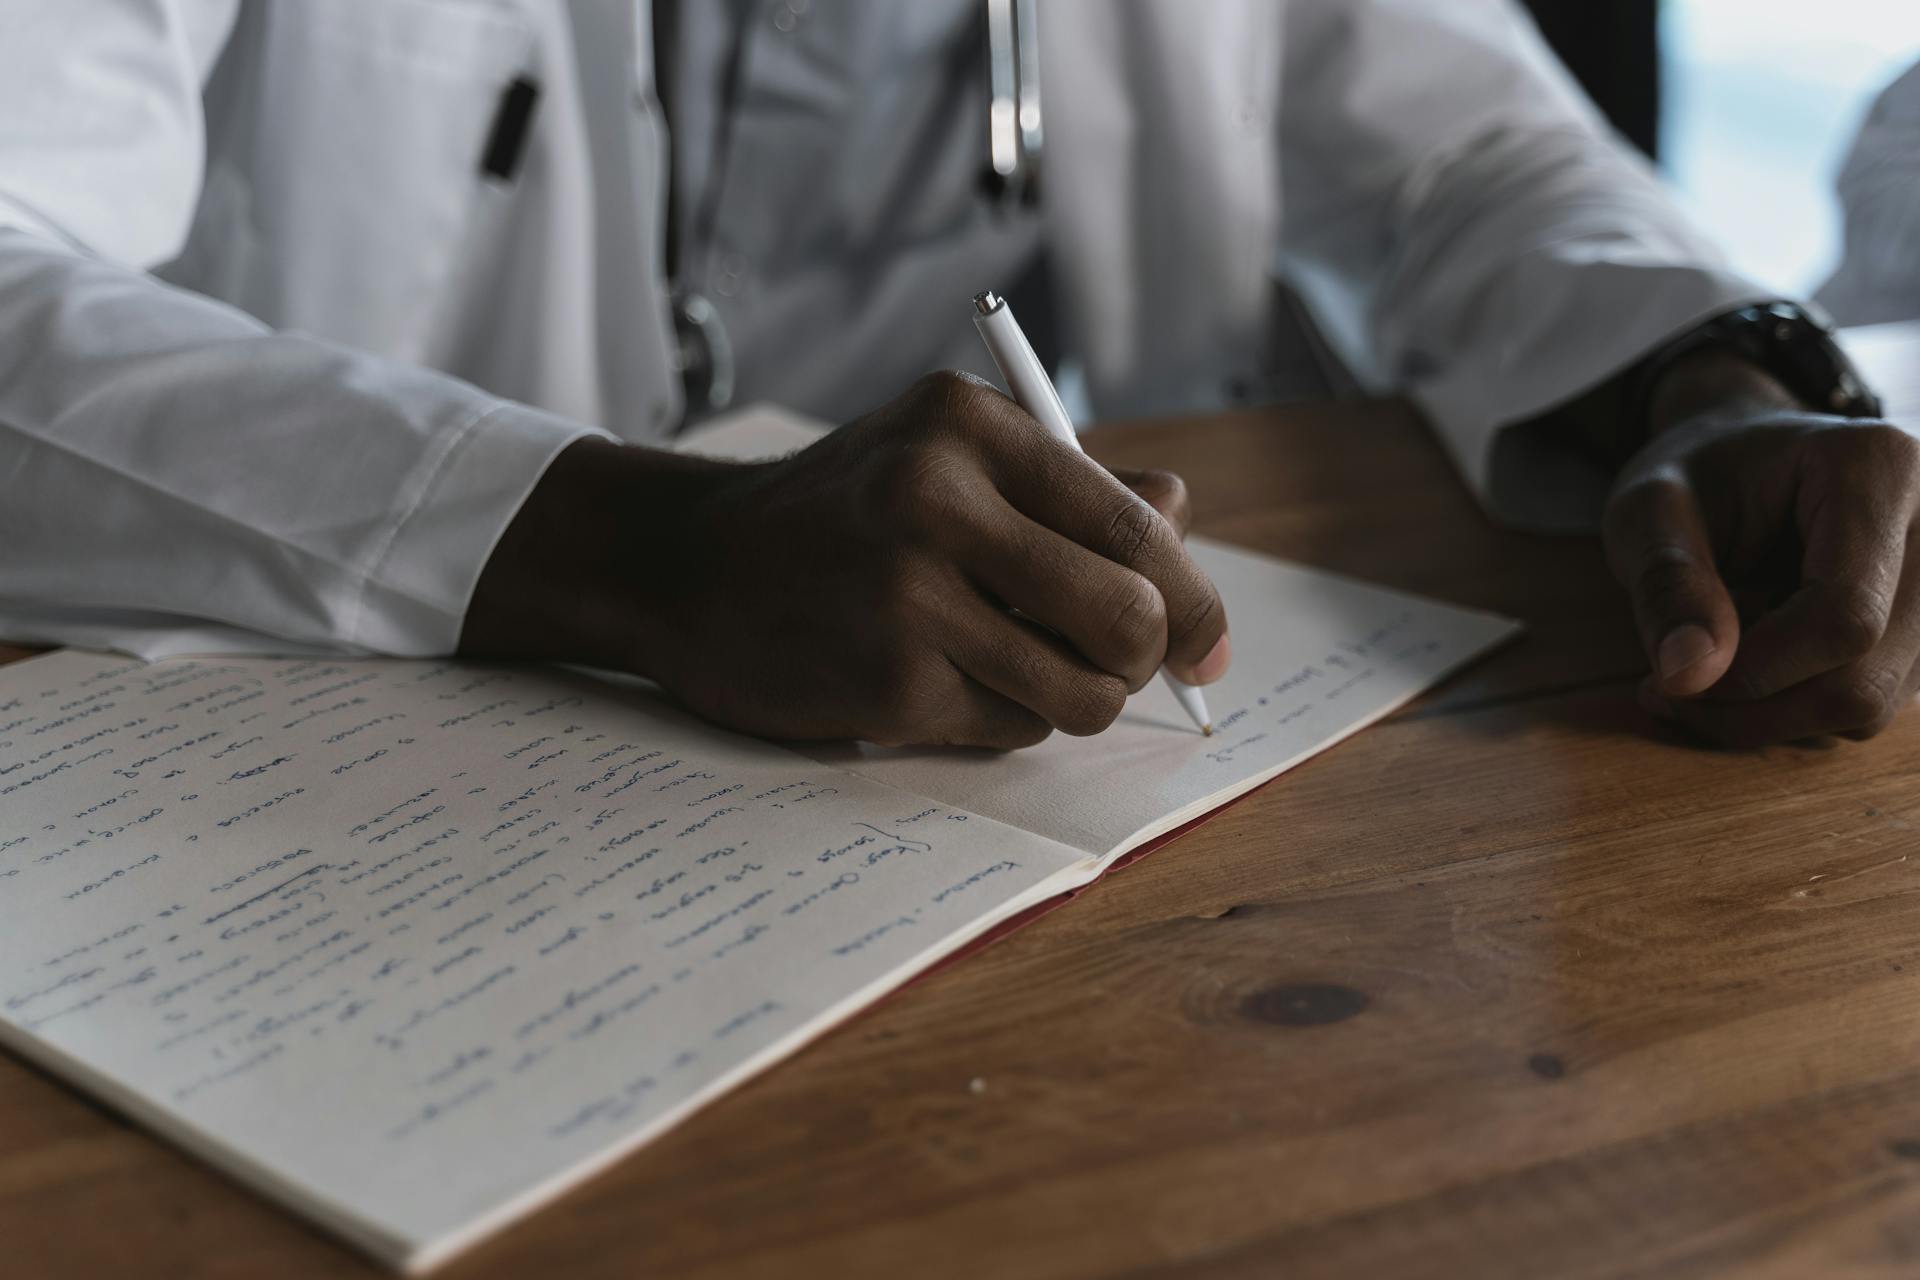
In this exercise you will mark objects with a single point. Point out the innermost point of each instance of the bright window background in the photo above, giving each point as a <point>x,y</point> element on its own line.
<point>1762,100</point>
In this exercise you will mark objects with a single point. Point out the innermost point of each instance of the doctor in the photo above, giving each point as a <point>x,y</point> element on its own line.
<point>348,326</point>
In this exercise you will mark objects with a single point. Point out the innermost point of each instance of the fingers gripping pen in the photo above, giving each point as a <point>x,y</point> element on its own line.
<point>1033,390</point>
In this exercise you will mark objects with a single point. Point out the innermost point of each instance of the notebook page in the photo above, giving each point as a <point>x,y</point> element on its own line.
<point>1316,658</point>
<point>415,945</point>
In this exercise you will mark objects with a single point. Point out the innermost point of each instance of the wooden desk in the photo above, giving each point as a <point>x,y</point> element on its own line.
<point>1510,985</point>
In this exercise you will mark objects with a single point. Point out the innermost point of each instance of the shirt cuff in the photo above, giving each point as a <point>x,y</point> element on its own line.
<point>1609,316</point>
<point>414,597</point>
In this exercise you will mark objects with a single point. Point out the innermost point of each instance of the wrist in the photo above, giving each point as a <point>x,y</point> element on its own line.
<point>587,569</point>
<point>1713,384</point>
<point>1768,358</point>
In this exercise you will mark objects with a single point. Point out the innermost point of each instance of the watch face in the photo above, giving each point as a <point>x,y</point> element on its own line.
<point>1796,347</point>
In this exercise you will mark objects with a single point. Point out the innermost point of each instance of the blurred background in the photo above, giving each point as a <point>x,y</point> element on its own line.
<point>1747,105</point>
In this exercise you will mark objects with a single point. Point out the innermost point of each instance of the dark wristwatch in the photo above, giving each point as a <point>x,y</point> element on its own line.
<point>1784,340</point>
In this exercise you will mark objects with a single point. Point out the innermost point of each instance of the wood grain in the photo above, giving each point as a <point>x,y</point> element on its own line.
<point>1513,984</point>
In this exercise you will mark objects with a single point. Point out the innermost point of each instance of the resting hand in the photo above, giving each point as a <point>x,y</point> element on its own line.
<point>863,587</point>
<point>1767,553</point>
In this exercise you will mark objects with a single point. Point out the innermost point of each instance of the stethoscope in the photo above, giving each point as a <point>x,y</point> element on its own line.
<point>703,355</point>
<point>1014,136</point>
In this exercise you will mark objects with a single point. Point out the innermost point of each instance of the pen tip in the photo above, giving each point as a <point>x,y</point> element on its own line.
<point>1206,730</point>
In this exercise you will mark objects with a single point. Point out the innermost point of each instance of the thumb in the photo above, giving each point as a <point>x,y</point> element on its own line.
<point>1164,491</point>
<point>1659,549</point>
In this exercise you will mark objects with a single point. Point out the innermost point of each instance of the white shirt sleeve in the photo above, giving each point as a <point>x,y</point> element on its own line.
<point>174,475</point>
<point>1467,229</point>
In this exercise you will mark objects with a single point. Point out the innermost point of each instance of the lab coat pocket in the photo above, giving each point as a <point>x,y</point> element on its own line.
<point>342,181</point>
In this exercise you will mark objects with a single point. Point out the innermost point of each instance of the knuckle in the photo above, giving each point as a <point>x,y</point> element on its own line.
<point>1200,617</point>
<point>1856,619</point>
<point>944,386</point>
<point>908,585</point>
<point>929,473</point>
<point>1026,661</point>
<point>1130,532</point>
<point>1137,628</point>
<point>1867,701</point>
<point>951,399</point>
<point>924,487</point>
<point>1171,500</point>
<point>1094,705</point>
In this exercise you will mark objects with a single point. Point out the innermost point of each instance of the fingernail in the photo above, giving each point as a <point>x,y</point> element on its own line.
<point>1684,647</point>
<point>1215,664</point>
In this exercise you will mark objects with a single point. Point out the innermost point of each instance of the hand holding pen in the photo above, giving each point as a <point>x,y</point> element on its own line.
<point>1034,391</point>
<point>936,571</point>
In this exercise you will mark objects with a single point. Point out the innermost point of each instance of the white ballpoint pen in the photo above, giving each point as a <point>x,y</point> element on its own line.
<point>1033,391</point>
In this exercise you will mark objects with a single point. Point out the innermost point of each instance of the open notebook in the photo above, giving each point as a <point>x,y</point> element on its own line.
<point>413,946</point>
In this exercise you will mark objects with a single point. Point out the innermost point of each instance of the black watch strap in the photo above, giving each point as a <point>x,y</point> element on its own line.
<point>1783,339</point>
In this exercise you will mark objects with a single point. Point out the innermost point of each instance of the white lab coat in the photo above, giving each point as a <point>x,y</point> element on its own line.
<point>255,391</point>
<point>1878,278</point>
